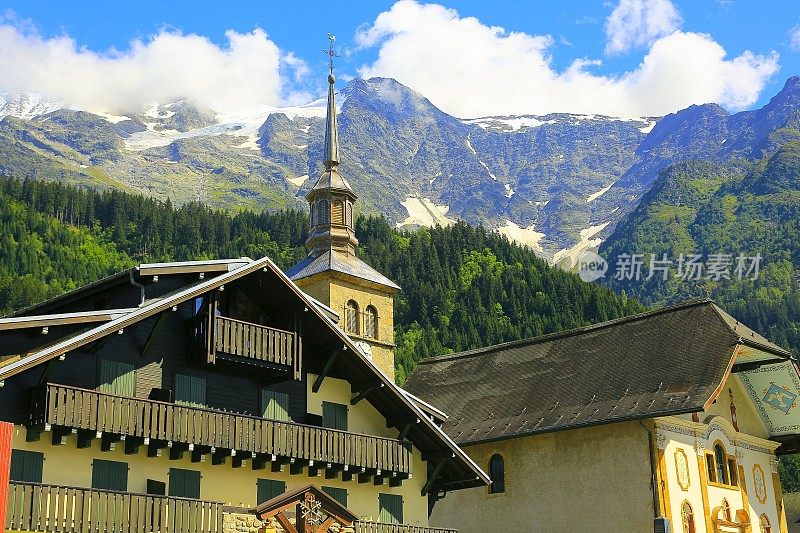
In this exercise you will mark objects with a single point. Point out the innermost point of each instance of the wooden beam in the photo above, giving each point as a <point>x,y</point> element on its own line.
<point>432,478</point>
<point>325,526</point>
<point>401,422</point>
<point>404,432</point>
<point>159,323</point>
<point>285,524</point>
<point>325,370</point>
<point>332,471</point>
<point>132,445</point>
<point>361,395</point>
<point>85,438</point>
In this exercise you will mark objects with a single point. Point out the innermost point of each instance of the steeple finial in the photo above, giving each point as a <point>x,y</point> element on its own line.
<point>331,128</point>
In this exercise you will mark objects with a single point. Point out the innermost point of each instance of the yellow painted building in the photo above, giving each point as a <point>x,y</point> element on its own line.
<point>209,396</point>
<point>673,416</point>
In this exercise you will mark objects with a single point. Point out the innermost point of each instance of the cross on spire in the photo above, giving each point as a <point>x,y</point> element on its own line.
<point>330,52</point>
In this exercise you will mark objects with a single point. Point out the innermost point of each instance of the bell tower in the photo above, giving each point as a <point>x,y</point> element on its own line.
<point>332,273</point>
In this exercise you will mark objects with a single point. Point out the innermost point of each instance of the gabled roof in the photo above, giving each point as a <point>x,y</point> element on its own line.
<point>460,471</point>
<point>292,496</point>
<point>670,361</point>
<point>336,261</point>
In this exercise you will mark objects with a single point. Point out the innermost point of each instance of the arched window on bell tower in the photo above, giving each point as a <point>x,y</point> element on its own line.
<point>353,318</point>
<point>337,212</point>
<point>323,212</point>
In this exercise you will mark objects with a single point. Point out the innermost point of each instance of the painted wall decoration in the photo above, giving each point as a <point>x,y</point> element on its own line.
<point>759,484</point>
<point>775,390</point>
<point>682,468</point>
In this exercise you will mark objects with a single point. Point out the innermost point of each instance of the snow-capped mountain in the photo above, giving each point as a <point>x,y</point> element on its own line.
<point>27,105</point>
<point>558,183</point>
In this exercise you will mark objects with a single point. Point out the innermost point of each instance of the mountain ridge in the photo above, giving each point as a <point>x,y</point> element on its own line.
<point>558,183</point>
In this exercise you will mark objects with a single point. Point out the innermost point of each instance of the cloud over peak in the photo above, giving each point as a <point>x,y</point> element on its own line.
<point>470,69</point>
<point>249,70</point>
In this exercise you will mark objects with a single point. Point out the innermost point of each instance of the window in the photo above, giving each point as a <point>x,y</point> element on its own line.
<point>190,390</point>
<point>340,495</point>
<point>334,416</point>
<point>313,213</point>
<point>268,489</point>
<point>688,517</point>
<point>498,474</point>
<point>766,527</point>
<point>721,462</point>
<point>351,314</point>
<point>184,483</point>
<point>337,212</point>
<point>26,466</point>
<point>109,475</point>
<point>117,378</point>
<point>371,322</point>
<point>733,473</point>
<point>712,471</point>
<point>274,405</point>
<point>350,214</point>
<point>721,467</point>
<point>323,212</point>
<point>390,508</point>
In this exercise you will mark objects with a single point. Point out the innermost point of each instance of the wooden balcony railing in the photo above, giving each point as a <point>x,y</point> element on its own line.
<point>81,409</point>
<point>222,336</point>
<point>379,527</point>
<point>34,507</point>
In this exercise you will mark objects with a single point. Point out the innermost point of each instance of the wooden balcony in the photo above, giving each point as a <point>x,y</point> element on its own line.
<point>63,409</point>
<point>229,338</point>
<point>379,527</point>
<point>35,507</point>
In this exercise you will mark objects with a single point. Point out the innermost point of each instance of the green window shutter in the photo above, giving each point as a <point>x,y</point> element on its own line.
<point>268,489</point>
<point>26,466</point>
<point>184,483</point>
<point>190,390</point>
<point>340,495</point>
<point>334,416</point>
<point>274,405</point>
<point>391,508</point>
<point>109,475</point>
<point>117,378</point>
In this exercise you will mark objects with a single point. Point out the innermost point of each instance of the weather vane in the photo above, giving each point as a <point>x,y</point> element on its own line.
<point>330,52</point>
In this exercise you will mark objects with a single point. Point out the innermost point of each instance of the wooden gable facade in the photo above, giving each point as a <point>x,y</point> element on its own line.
<point>205,385</point>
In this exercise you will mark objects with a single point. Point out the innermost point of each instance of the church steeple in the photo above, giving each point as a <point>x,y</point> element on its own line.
<point>331,199</point>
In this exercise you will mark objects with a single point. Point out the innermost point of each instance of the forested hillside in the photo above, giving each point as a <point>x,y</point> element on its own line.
<point>463,287</point>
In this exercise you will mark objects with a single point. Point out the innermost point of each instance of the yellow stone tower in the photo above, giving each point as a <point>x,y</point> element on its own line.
<point>332,273</point>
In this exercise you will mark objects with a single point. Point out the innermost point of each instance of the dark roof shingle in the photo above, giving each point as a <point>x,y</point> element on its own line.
<point>663,362</point>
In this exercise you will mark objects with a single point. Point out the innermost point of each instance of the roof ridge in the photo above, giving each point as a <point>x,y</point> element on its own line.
<point>693,302</point>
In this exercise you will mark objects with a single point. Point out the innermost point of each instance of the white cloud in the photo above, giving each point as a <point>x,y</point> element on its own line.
<point>249,70</point>
<point>637,23</point>
<point>794,38</point>
<point>470,69</point>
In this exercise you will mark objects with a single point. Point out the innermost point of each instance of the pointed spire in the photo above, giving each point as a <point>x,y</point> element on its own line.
<point>331,198</point>
<point>331,128</point>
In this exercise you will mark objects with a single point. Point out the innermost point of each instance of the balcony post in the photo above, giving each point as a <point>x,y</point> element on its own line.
<point>6,432</point>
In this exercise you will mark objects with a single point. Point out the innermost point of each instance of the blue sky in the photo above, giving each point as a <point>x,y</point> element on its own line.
<point>560,48</point>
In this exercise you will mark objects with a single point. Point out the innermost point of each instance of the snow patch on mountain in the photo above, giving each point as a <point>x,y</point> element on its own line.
<point>569,256</point>
<point>509,190</point>
<point>510,123</point>
<point>423,212</point>
<point>27,105</point>
<point>595,195</point>
<point>525,236</point>
<point>298,181</point>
